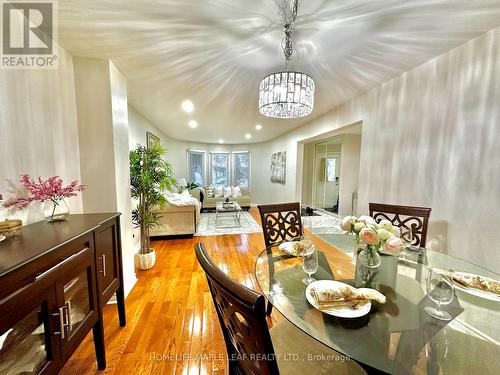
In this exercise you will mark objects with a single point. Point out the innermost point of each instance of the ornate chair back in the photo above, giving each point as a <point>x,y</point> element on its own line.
<point>280,222</point>
<point>415,219</point>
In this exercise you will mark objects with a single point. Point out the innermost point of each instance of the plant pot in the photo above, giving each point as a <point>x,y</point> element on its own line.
<point>146,261</point>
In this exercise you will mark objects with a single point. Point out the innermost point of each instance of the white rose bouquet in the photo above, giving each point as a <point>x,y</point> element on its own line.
<point>373,236</point>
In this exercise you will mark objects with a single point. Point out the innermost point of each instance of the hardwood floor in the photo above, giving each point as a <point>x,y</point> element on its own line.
<point>172,327</point>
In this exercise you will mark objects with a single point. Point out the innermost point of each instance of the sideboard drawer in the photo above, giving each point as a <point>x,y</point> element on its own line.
<point>107,266</point>
<point>26,274</point>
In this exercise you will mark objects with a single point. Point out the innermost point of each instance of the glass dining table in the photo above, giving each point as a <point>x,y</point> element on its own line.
<point>398,337</point>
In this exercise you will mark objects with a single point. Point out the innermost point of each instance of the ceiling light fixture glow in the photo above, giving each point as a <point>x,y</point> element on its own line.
<point>258,126</point>
<point>221,141</point>
<point>248,136</point>
<point>287,94</point>
<point>193,124</point>
<point>187,106</point>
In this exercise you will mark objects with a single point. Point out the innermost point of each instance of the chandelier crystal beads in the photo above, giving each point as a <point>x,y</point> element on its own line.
<point>287,94</point>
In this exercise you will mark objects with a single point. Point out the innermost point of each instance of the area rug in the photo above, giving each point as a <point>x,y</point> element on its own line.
<point>206,226</point>
<point>322,224</point>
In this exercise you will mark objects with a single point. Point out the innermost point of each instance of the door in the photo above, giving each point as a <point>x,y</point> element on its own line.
<point>107,266</point>
<point>29,330</point>
<point>77,299</point>
<point>326,187</point>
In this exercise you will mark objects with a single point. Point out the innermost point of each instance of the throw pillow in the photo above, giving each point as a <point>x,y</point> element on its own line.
<point>236,191</point>
<point>209,190</point>
<point>218,191</point>
<point>227,192</point>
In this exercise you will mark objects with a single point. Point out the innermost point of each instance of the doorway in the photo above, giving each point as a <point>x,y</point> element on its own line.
<point>326,180</point>
<point>330,171</point>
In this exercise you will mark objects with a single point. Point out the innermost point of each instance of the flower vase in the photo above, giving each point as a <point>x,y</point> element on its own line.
<point>369,257</point>
<point>55,210</point>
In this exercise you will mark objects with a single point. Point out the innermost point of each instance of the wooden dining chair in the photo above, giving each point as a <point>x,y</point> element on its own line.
<point>242,316</point>
<point>407,218</point>
<point>280,222</point>
<point>249,342</point>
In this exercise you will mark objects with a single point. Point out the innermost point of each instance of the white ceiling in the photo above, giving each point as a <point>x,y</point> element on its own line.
<point>215,52</point>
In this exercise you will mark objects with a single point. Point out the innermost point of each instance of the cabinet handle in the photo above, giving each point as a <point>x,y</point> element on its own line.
<point>103,258</point>
<point>64,319</point>
<point>68,312</point>
<point>62,325</point>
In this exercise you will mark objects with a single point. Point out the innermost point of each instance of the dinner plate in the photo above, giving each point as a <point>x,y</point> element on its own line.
<point>473,291</point>
<point>342,311</point>
<point>2,237</point>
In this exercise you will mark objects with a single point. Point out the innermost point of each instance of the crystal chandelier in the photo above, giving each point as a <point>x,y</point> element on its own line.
<point>287,94</point>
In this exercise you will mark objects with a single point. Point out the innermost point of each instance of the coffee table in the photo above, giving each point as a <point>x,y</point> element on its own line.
<point>223,209</point>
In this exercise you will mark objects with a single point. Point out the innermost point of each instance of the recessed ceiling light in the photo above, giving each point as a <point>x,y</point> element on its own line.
<point>258,126</point>
<point>187,106</point>
<point>221,141</point>
<point>193,124</point>
<point>248,136</point>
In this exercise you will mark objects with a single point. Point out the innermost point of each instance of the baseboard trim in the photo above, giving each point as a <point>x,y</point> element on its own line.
<point>172,236</point>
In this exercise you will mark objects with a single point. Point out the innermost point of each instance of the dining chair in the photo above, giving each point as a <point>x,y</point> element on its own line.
<point>253,348</point>
<point>280,222</point>
<point>407,218</point>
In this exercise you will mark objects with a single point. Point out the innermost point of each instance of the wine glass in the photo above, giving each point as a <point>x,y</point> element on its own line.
<point>407,239</point>
<point>306,228</point>
<point>440,290</point>
<point>310,265</point>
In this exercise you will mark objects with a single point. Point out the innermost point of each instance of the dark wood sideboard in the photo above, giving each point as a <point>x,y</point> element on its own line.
<point>54,280</point>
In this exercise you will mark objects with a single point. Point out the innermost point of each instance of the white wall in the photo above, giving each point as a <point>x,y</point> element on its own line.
<point>349,172</point>
<point>101,98</point>
<point>38,131</point>
<point>430,138</point>
<point>93,100</point>
<point>139,125</point>
<point>263,191</point>
<point>119,114</point>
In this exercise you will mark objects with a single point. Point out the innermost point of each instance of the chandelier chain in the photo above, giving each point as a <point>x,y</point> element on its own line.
<point>287,42</point>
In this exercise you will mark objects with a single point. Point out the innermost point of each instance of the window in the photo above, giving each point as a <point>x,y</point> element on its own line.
<point>330,169</point>
<point>219,169</point>
<point>196,167</point>
<point>241,169</point>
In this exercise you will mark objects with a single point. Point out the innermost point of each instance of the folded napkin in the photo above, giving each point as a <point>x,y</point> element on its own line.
<point>473,281</point>
<point>328,298</point>
<point>296,248</point>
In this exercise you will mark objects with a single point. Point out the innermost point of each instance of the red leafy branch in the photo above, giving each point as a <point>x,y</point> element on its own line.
<point>43,190</point>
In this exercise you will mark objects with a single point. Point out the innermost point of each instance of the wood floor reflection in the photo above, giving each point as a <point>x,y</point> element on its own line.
<point>172,327</point>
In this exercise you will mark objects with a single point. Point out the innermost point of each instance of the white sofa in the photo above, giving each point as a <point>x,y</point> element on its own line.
<point>210,202</point>
<point>176,221</point>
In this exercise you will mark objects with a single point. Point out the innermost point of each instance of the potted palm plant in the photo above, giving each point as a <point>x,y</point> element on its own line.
<point>150,174</point>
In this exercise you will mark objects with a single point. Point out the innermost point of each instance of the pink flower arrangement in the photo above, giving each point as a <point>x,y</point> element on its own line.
<point>377,235</point>
<point>43,190</point>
